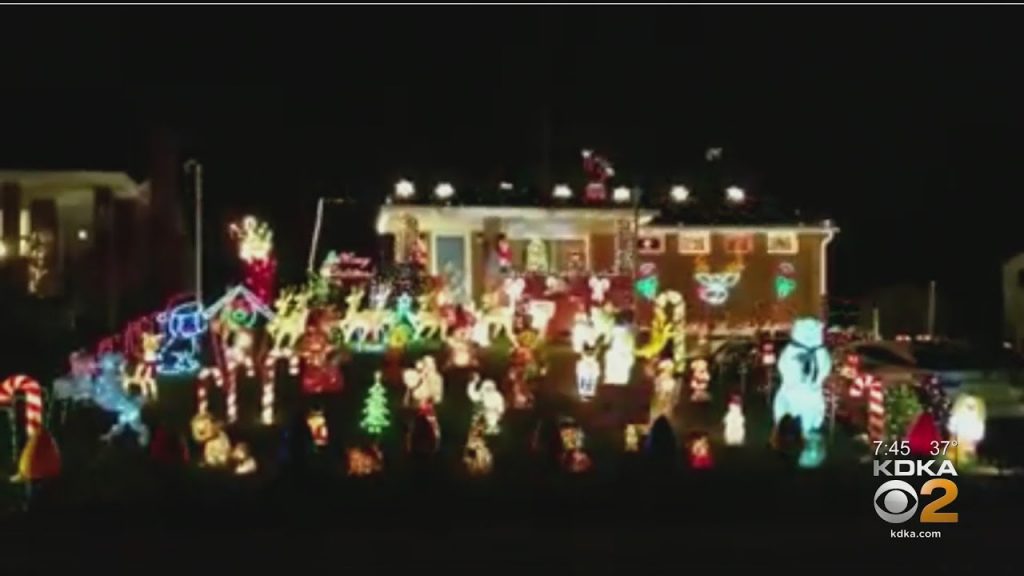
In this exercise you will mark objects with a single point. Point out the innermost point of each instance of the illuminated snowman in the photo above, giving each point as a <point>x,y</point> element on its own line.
<point>618,360</point>
<point>735,423</point>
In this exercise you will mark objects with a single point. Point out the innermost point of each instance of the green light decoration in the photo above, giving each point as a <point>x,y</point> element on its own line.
<point>647,287</point>
<point>901,409</point>
<point>403,309</point>
<point>375,411</point>
<point>784,287</point>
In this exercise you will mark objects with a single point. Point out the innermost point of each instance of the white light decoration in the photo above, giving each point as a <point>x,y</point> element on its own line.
<point>621,195</point>
<point>404,189</point>
<point>735,423</point>
<point>488,404</point>
<point>83,234</point>
<point>562,191</point>
<point>444,191</point>
<point>967,427</point>
<point>735,194</point>
<point>3,250</point>
<point>618,360</point>
<point>588,372</point>
<point>505,186</point>
<point>679,194</point>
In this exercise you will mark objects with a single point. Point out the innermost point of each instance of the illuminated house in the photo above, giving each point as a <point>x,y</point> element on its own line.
<point>736,269</point>
<point>88,239</point>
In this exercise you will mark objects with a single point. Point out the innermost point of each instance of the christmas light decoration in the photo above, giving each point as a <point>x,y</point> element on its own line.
<point>715,286</point>
<point>241,458</point>
<point>876,407</point>
<point>631,440</point>
<point>540,312</point>
<point>901,409</point>
<point>39,248</point>
<point>967,427</point>
<point>489,404</point>
<point>182,325</point>
<point>679,194</point>
<point>404,189</point>
<point>364,462</point>
<point>588,373</point>
<point>255,242</point>
<point>666,391</point>
<point>803,365</point>
<point>33,405</point>
<point>320,371</point>
<point>735,423</point>
<point>317,424</point>
<point>647,285</point>
<point>562,192</point>
<point>923,435</point>
<point>40,459</point>
<point>142,375</point>
<point>574,458</point>
<point>207,375</point>
<point>625,246</point>
<point>618,359</point>
<point>444,191</point>
<point>935,401</point>
<point>785,284</point>
<point>375,410</point>
<point>108,393</point>
<point>476,455</point>
<point>700,453</point>
<point>424,385</point>
<point>514,288</point>
<point>598,288</point>
<point>621,195</point>
<point>700,378</point>
<point>537,257</point>
<point>460,349</point>
<point>76,385</point>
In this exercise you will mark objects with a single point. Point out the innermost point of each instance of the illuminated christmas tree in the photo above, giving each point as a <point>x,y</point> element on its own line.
<point>537,256</point>
<point>901,409</point>
<point>375,411</point>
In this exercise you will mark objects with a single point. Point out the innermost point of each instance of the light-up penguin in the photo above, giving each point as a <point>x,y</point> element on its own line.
<point>803,365</point>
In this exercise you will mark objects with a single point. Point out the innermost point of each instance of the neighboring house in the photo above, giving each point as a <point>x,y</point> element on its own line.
<point>89,240</point>
<point>1013,300</point>
<point>736,273</point>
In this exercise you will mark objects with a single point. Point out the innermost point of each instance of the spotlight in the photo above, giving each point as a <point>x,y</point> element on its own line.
<point>735,194</point>
<point>444,191</point>
<point>83,234</point>
<point>505,186</point>
<point>562,191</point>
<point>404,189</point>
<point>679,193</point>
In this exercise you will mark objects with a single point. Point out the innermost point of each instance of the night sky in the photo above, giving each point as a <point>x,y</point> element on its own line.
<point>902,126</point>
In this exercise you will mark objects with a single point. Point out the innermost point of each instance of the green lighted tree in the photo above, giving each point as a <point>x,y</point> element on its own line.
<point>375,411</point>
<point>901,408</point>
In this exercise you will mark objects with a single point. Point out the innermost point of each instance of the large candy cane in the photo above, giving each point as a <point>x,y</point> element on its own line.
<point>33,392</point>
<point>202,396</point>
<point>269,380</point>
<point>876,408</point>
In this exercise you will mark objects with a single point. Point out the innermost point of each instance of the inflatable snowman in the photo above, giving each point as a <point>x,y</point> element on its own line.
<point>803,365</point>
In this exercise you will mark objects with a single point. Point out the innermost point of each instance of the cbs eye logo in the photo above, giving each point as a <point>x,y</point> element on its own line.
<point>896,501</point>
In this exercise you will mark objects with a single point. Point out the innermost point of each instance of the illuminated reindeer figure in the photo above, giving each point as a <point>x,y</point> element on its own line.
<point>289,322</point>
<point>366,325</point>
<point>429,320</point>
<point>715,286</point>
<point>494,315</point>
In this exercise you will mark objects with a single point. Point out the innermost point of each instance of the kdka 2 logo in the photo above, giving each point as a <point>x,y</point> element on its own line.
<point>896,501</point>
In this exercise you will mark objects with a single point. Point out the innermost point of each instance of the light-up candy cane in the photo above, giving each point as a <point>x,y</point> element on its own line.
<point>876,408</point>
<point>206,375</point>
<point>255,243</point>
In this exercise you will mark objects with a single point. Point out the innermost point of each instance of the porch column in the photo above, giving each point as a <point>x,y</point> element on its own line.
<point>10,203</point>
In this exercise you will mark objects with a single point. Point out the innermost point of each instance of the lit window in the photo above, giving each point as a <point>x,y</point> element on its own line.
<point>24,229</point>
<point>782,243</point>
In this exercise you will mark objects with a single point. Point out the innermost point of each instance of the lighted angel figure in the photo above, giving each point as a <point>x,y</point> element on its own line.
<point>489,404</point>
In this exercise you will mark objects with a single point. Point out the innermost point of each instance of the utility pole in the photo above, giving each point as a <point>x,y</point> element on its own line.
<point>197,172</point>
<point>931,309</point>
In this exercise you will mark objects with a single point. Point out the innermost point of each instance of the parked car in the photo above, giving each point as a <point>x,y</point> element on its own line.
<point>727,358</point>
<point>994,375</point>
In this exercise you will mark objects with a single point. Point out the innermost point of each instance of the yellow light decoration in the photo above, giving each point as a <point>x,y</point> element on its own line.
<point>967,426</point>
<point>244,463</point>
<point>255,239</point>
<point>364,462</point>
<point>621,195</point>
<point>618,359</point>
<point>317,424</point>
<point>666,391</point>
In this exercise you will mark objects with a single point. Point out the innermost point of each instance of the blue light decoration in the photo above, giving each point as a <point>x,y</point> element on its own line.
<point>804,365</point>
<point>714,286</point>
<point>182,325</point>
<point>785,284</point>
<point>403,310</point>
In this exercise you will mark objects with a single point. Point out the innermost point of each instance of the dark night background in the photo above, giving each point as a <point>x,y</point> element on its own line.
<point>905,130</point>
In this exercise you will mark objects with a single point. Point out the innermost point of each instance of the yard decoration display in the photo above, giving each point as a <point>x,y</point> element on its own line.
<point>488,404</point>
<point>803,365</point>
<point>242,460</point>
<point>901,409</point>
<point>210,435</point>
<point>588,373</point>
<point>10,388</point>
<point>876,406</point>
<point>700,378</point>
<point>461,350</point>
<point>493,320</point>
<point>619,358</point>
<point>183,325</point>
<point>477,456</point>
<point>317,423</point>
<point>666,326</point>
<point>320,369</point>
<point>967,427</point>
<point>598,288</point>
<point>428,321</point>
<point>537,257</point>
<point>255,242</point>
<point>714,287</point>
<point>143,376</point>
<point>364,462</point>
<point>40,459</point>
<point>785,284</point>
<point>666,391</point>
<point>424,384</point>
<point>207,376</point>
<point>108,393</point>
<point>735,423</point>
<point>76,386</point>
<point>286,328</point>
<point>700,452</point>
<point>574,457</point>
<point>647,282</point>
<point>375,410</point>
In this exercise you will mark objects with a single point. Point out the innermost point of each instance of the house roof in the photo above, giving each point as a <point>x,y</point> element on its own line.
<point>52,182</point>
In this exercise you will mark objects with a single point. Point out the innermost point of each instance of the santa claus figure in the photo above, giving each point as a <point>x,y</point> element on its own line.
<point>700,453</point>
<point>317,424</point>
<point>424,385</point>
<point>320,373</point>
<point>503,253</point>
<point>489,404</point>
